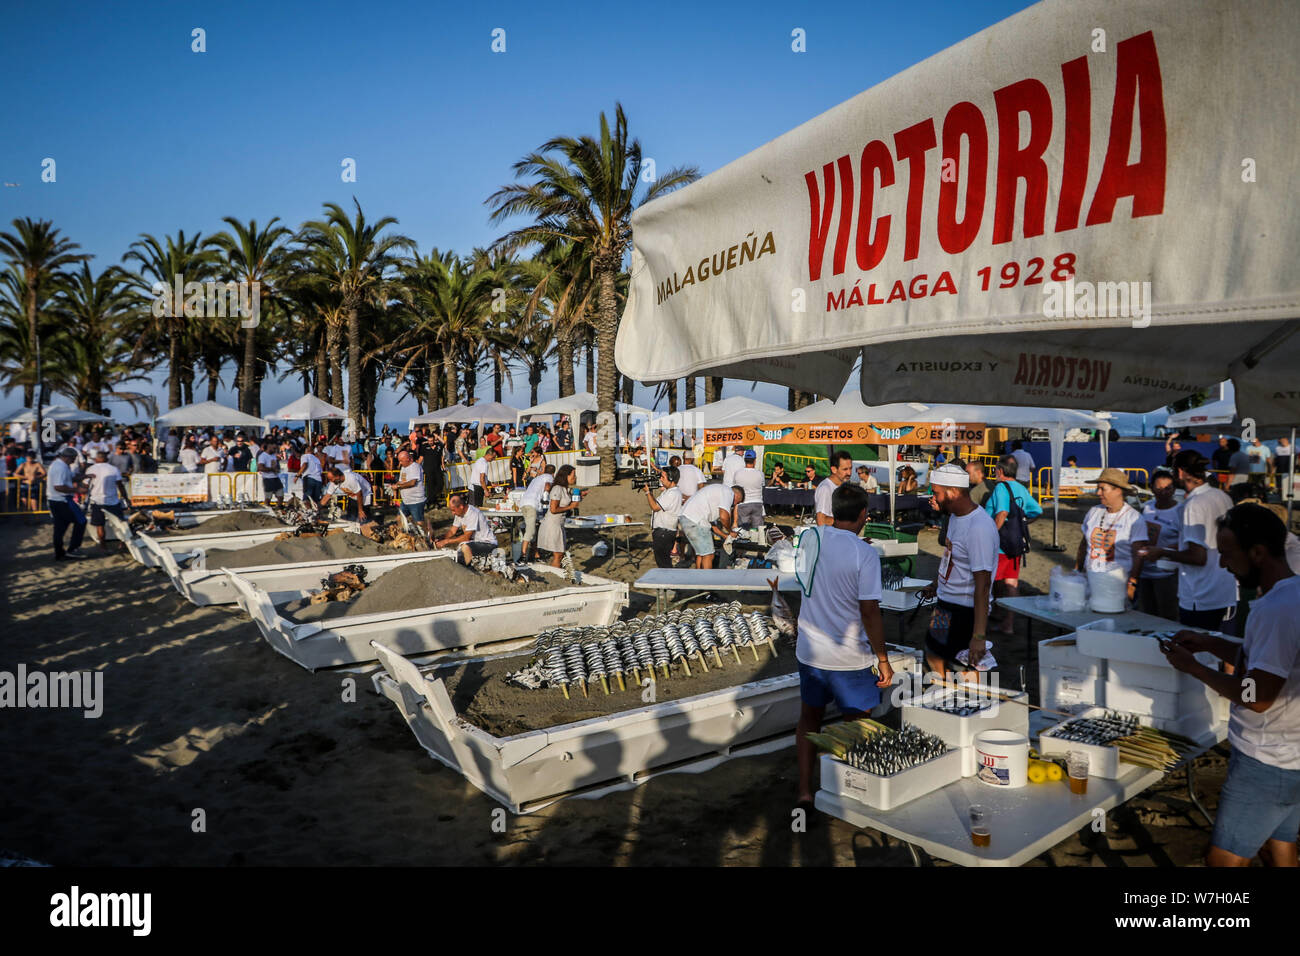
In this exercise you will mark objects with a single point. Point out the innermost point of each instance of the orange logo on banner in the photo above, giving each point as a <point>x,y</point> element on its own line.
<point>851,433</point>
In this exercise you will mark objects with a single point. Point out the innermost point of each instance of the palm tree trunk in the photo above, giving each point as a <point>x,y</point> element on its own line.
<point>789,399</point>
<point>690,392</point>
<point>496,380</point>
<point>471,377</point>
<point>187,383</point>
<point>335,336</point>
<point>713,388</point>
<point>564,363</point>
<point>213,370</point>
<point>355,411</point>
<point>322,373</point>
<point>248,374</point>
<point>173,366</point>
<point>35,342</point>
<point>591,368</point>
<point>606,329</point>
<point>449,378</point>
<point>534,380</point>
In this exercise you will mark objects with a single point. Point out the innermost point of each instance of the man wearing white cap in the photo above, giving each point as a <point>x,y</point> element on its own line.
<point>965,581</point>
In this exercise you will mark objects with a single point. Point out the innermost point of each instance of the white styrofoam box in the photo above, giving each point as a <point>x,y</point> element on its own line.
<point>1063,690</point>
<point>1156,678</point>
<point>1063,654</point>
<point>885,793</point>
<point>961,732</point>
<point>1193,704</point>
<point>1097,641</point>
<point>1102,761</point>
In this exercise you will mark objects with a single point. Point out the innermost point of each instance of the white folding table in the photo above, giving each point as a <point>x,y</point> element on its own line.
<point>1024,822</point>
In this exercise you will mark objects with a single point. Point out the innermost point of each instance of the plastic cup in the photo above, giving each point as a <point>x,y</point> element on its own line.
<point>1076,762</point>
<point>980,835</point>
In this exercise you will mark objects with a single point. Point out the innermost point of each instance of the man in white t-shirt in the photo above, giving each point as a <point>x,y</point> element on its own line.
<point>711,504</point>
<point>1207,592</point>
<point>189,457</point>
<point>841,631</point>
<point>749,513</point>
<point>731,464</point>
<point>479,485</point>
<point>351,486</point>
<point>1259,804</point>
<point>309,470</point>
<point>964,585</point>
<point>470,530</point>
<point>213,456</point>
<point>107,489</point>
<point>589,442</point>
<point>665,510</point>
<point>60,487</point>
<point>841,465</point>
<point>690,477</point>
<point>268,466</point>
<point>535,495</point>
<point>410,485</point>
<point>1024,463</point>
<point>339,455</point>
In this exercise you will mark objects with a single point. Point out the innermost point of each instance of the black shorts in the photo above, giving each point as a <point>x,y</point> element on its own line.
<point>271,486</point>
<point>951,628</point>
<point>97,513</point>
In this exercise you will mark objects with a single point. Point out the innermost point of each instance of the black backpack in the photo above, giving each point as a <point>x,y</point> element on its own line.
<point>1013,536</point>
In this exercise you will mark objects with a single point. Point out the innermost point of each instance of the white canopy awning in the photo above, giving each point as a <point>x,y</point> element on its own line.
<point>57,413</point>
<point>309,408</point>
<point>1025,218</point>
<point>209,413</point>
<point>725,413</point>
<point>1222,411</point>
<point>572,405</point>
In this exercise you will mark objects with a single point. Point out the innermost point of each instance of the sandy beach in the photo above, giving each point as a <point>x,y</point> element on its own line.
<point>199,714</point>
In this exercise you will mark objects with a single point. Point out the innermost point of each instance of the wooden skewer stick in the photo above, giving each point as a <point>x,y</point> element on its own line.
<point>565,688</point>
<point>717,657</point>
<point>753,650</point>
<point>703,662</point>
<point>605,684</point>
<point>736,652</point>
<point>621,685</point>
<point>685,666</point>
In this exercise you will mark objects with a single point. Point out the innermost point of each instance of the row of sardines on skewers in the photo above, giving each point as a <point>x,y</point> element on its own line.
<point>655,644</point>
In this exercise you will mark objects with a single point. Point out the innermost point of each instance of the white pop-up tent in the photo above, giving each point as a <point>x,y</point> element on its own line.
<point>56,413</point>
<point>731,412</point>
<point>1021,218</point>
<point>209,413</point>
<point>482,413</point>
<point>308,409</point>
<point>571,405</point>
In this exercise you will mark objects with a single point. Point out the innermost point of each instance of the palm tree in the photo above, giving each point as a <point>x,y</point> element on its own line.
<point>356,261</point>
<point>565,294</point>
<point>36,248</point>
<point>160,262</point>
<point>583,191</point>
<point>449,300</point>
<point>261,256</point>
<point>94,352</point>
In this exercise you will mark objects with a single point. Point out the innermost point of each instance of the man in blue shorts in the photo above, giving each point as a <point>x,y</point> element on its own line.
<point>1259,805</point>
<point>841,631</point>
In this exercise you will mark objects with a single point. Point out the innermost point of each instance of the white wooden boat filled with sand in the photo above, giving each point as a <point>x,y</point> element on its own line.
<point>202,585</point>
<point>528,770</point>
<point>117,529</point>
<point>431,627</point>
<point>168,551</point>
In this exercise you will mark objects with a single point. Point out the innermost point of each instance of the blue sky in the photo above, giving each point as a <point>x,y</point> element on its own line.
<point>149,136</point>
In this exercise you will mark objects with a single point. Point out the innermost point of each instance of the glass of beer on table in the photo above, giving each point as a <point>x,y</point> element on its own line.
<point>979,826</point>
<point>1077,766</point>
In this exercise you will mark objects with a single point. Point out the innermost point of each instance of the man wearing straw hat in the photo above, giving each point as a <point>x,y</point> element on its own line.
<point>964,584</point>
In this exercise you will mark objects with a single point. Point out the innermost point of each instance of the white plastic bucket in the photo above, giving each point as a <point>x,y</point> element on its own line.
<point>1003,757</point>
<point>1107,590</point>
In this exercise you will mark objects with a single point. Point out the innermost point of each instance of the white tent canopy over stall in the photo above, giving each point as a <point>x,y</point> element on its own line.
<point>1222,411</point>
<point>308,409</point>
<point>481,413</point>
<point>209,413</point>
<point>56,413</point>
<point>725,413</point>
<point>1021,218</point>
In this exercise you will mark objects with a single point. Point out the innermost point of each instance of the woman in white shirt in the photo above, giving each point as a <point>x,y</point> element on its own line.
<point>550,532</point>
<point>1109,532</point>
